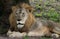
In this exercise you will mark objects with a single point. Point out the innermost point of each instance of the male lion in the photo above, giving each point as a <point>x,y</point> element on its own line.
<point>23,22</point>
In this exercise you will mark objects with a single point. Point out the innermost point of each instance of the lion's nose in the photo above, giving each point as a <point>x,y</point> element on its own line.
<point>18,19</point>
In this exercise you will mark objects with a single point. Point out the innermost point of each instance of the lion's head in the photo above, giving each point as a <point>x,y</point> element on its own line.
<point>21,12</point>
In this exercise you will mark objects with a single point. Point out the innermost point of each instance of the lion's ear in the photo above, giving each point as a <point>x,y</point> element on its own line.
<point>14,8</point>
<point>30,9</point>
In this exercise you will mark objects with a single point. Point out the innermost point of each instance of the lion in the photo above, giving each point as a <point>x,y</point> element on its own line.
<point>17,22</point>
<point>16,16</point>
<point>23,21</point>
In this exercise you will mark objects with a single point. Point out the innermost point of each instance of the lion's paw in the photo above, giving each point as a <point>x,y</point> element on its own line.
<point>17,34</point>
<point>55,35</point>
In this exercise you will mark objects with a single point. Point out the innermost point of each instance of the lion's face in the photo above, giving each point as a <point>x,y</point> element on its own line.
<point>21,14</point>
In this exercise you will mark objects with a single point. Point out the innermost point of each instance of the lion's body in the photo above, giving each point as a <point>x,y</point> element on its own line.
<point>32,25</point>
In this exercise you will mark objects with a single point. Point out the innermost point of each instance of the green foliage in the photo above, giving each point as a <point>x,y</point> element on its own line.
<point>26,37</point>
<point>45,38</point>
<point>50,15</point>
<point>48,10</point>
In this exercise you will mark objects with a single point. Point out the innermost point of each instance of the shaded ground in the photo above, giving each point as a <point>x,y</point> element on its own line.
<point>4,37</point>
<point>22,38</point>
<point>17,38</point>
<point>26,37</point>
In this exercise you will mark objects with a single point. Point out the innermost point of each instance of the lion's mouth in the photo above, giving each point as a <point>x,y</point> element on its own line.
<point>20,24</point>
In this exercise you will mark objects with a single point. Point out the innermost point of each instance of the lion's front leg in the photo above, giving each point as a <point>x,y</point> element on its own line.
<point>15,34</point>
<point>9,33</point>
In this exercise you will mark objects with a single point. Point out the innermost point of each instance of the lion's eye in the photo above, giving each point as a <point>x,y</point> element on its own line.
<point>23,13</point>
